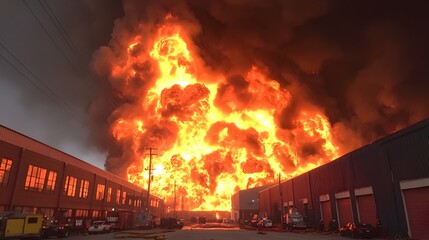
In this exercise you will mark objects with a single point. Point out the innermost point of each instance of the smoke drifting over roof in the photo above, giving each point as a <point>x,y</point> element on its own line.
<point>362,63</point>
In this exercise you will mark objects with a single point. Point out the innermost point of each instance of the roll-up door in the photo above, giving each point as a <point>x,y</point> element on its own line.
<point>345,213</point>
<point>326,214</point>
<point>367,209</point>
<point>417,207</point>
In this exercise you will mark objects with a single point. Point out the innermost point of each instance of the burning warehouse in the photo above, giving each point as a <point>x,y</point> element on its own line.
<point>385,184</point>
<point>233,93</point>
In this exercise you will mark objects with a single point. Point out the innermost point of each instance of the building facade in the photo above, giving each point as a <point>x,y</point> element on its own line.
<point>36,178</point>
<point>385,183</point>
<point>245,204</point>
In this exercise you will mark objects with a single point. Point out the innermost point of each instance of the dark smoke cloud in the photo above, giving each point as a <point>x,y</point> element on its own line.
<point>34,38</point>
<point>363,63</point>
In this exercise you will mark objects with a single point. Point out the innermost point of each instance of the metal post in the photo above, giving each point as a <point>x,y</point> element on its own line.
<point>281,203</point>
<point>175,215</point>
<point>150,175</point>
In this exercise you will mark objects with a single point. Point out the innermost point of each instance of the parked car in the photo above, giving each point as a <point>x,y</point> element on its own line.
<point>358,230</point>
<point>265,223</point>
<point>101,226</point>
<point>171,223</point>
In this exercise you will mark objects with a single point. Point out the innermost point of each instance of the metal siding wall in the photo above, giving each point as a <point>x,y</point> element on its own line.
<point>287,191</point>
<point>315,197</point>
<point>372,168</point>
<point>275,204</point>
<point>347,172</point>
<point>330,178</point>
<point>368,166</point>
<point>264,203</point>
<point>409,155</point>
<point>301,186</point>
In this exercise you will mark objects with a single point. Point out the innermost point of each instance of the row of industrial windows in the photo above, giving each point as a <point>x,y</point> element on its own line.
<point>36,180</point>
<point>41,179</point>
<point>49,212</point>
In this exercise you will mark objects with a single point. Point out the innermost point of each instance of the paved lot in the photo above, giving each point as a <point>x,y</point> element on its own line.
<point>209,234</point>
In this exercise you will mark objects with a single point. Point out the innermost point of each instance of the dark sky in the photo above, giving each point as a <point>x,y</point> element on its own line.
<point>365,63</point>
<point>45,82</point>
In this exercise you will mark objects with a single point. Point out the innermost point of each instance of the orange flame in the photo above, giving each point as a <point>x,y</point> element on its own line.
<point>210,141</point>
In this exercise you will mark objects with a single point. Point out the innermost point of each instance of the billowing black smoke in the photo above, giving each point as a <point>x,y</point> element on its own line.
<point>363,62</point>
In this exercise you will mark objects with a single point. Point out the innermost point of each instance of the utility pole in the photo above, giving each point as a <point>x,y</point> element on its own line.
<point>175,215</point>
<point>150,176</point>
<point>281,203</point>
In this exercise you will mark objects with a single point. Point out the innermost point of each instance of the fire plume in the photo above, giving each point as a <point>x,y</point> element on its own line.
<point>214,134</point>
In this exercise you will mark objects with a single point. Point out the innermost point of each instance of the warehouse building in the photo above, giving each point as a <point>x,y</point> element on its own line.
<point>385,181</point>
<point>36,178</point>
<point>245,203</point>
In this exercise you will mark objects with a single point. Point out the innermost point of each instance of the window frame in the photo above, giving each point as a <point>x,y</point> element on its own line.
<point>35,178</point>
<point>70,185</point>
<point>5,173</point>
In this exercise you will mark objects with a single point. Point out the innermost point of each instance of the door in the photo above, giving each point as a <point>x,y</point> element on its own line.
<point>417,210</point>
<point>326,214</point>
<point>345,212</point>
<point>367,209</point>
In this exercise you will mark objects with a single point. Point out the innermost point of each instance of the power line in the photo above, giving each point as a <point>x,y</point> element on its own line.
<point>54,19</point>
<point>52,38</point>
<point>39,84</point>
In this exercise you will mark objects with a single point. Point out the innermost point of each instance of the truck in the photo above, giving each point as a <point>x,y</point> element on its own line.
<point>18,225</point>
<point>294,220</point>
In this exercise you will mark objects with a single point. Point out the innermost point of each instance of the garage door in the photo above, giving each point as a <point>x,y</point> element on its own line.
<point>326,213</point>
<point>367,209</point>
<point>417,206</point>
<point>345,213</point>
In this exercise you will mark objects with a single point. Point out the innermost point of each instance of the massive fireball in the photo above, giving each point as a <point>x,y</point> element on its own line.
<point>213,134</point>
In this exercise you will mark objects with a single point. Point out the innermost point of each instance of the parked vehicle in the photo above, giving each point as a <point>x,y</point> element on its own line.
<point>358,230</point>
<point>17,225</point>
<point>171,223</point>
<point>54,229</point>
<point>295,220</point>
<point>145,221</point>
<point>101,227</point>
<point>122,219</point>
<point>56,226</point>
<point>202,220</point>
<point>265,223</point>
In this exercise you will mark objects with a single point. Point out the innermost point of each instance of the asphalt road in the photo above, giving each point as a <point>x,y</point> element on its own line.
<point>207,234</point>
